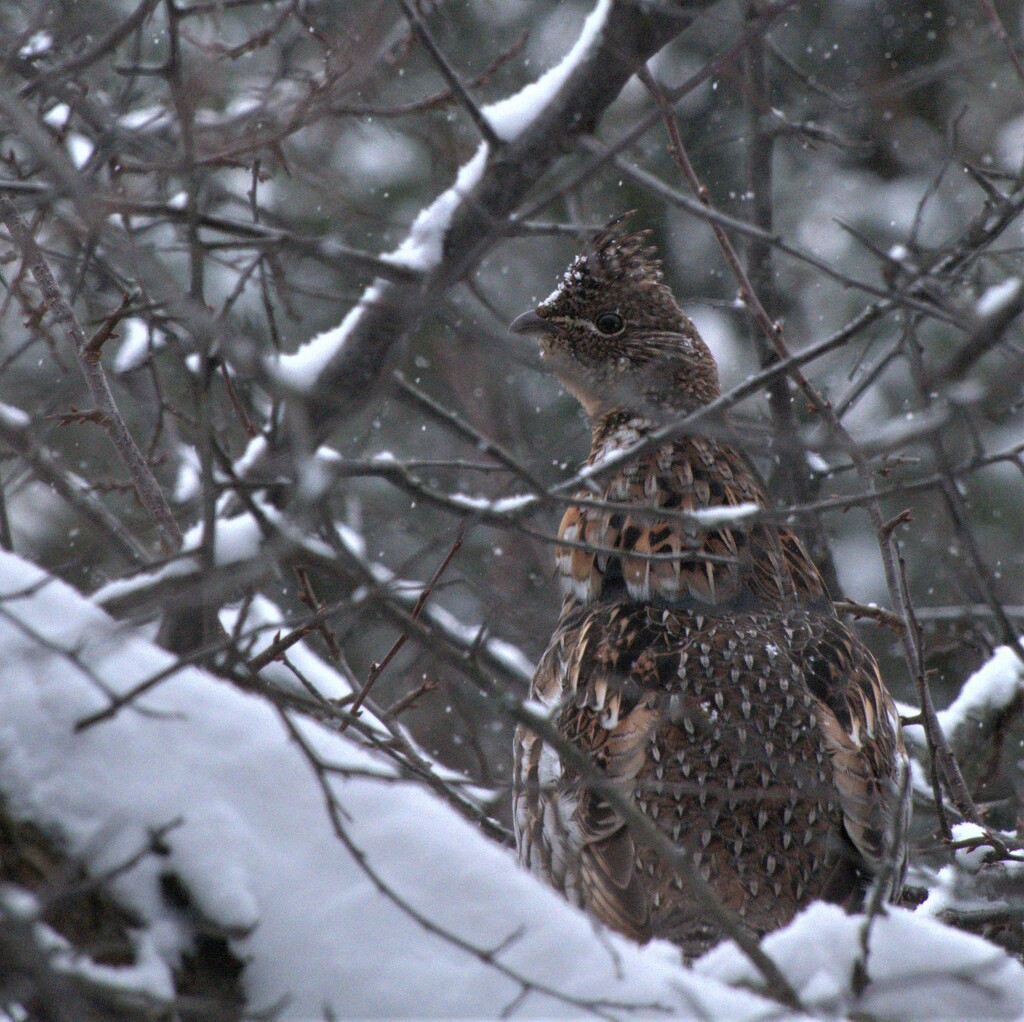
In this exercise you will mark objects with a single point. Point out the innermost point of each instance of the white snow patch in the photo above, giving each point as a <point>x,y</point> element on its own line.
<point>998,297</point>
<point>57,116</point>
<point>38,43</point>
<point>903,709</point>
<point>14,418</point>
<point>946,891</point>
<point>917,967</point>
<point>968,885</point>
<point>144,117</point>
<point>244,105</point>
<point>256,851</point>
<point>241,106</point>
<point>711,516</point>
<point>353,541</point>
<point>513,658</point>
<point>1009,145</point>
<point>817,463</point>
<point>499,505</point>
<point>251,456</point>
<point>424,244</point>
<point>137,344</point>
<point>970,859</point>
<point>234,540</point>
<point>511,116</point>
<point>992,687</point>
<point>79,149</point>
<point>301,369</point>
<point>188,484</point>
<point>147,975</point>
<point>506,505</point>
<point>609,456</point>
<point>572,273</point>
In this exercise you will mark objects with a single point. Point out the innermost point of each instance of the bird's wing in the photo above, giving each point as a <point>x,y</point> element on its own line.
<point>672,558</point>
<point>654,556</point>
<point>800,569</point>
<point>565,831</point>
<point>864,740</point>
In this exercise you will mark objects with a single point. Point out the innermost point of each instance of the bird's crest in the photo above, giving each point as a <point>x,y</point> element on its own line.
<point>616,254</point>
<point>613,258</point>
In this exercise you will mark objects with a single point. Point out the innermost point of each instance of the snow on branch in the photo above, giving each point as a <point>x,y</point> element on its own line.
<point>987,693</point>
<point>247,545</point>
<point>991,689</point>
<point>511,116</point>
<point>340,370</point>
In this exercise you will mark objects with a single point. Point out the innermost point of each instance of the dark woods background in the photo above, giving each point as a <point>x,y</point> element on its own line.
<point>261,155</point>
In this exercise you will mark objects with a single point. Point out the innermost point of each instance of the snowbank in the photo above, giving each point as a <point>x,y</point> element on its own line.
<point>256,850</point>
<point>917,968</point>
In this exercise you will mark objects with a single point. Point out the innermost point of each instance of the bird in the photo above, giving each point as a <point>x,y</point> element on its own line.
<point>698,664</point>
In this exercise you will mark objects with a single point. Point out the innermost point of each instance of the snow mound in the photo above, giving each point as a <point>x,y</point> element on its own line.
<point>917,968</point>
<point>257,853</point>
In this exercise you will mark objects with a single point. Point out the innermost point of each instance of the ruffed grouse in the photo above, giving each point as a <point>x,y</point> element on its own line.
<point>698,661</point>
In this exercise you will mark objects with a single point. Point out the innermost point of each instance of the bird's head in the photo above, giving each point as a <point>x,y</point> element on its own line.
<point>615,336</point>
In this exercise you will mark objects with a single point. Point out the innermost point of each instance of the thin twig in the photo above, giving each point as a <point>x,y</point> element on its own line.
<point>859,610</point>
<point>378,668</point>
<point>17,435</point>
<point>106,329</point>
<point>411,698</point>
<point>450,75</point>
<point>146,487</point>
<point>1000,30</point>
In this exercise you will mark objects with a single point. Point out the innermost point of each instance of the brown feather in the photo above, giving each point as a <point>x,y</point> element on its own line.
<point>699,666</point>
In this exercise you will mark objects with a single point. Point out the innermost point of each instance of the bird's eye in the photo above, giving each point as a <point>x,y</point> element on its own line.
<point>609,323</point>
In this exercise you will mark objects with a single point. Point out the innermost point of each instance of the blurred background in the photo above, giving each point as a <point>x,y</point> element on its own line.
<point>883,138</point>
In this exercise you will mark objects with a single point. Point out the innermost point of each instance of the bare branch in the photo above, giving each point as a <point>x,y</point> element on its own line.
<point>146,487</point>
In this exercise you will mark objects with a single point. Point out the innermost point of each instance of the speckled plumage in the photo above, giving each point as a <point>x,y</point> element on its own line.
<point>698,662</point>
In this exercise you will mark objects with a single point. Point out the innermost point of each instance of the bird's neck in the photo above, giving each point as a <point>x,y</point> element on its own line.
<point>616,429</point>
<point>620,428</point>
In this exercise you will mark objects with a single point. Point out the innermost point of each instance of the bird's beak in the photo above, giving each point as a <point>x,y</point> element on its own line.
<point>530,323</point>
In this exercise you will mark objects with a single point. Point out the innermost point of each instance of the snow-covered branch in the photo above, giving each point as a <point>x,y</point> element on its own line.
<point>339,372</point>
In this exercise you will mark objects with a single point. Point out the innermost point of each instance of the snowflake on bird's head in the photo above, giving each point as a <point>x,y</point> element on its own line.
<point>616,266</point>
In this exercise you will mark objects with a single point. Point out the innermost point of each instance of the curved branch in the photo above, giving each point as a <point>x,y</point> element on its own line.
<point>361,351</point>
